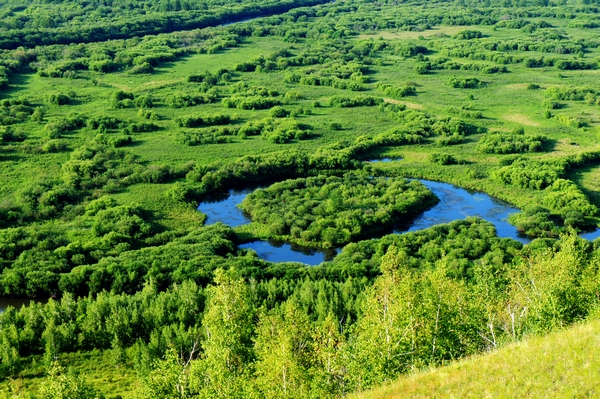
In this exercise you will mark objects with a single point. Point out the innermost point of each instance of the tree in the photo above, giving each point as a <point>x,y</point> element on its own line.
<point>228,325</point>
<point>383,338</point>
<point>552,289</point>
<point>283,350</point>
<point>169,378</point>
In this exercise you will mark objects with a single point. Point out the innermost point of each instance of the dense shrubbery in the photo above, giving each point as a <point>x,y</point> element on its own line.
<point>213,135</point>
<point>466,289</point>
<point>397,91</point>
<point>331,211</point>
<point>528,174</point>
<point>196,121</point>
<point>510,143</point>
<point>535,221</point>
<point>349,102</point>
<point>468,35</point>
<point>340,76</point>
<point>251,102</point>
<point>180,100</point>
<point>465,83</point>
<point>444,159</point>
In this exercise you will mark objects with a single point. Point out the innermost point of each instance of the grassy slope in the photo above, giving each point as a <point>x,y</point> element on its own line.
<point>560,365</point>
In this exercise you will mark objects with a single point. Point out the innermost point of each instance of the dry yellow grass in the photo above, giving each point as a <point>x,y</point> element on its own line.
<point>519,86</point>
<point>564,364</point>
<point>407,103</point>
<point>520,118</point>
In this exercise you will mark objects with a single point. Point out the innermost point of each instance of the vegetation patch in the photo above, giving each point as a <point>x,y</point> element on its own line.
<point>510,143</point>
<point>331,211</point>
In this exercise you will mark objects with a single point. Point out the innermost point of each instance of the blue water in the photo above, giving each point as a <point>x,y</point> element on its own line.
<point>458,203</point>
<point>274,251</point>
<point>224,208</point>
<point>591,235</point>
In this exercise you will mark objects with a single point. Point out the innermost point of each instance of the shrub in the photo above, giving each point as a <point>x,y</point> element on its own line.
<point>466,83</point>
<point>58,99</point>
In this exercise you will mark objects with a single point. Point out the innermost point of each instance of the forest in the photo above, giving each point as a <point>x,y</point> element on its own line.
<point>121,119</point>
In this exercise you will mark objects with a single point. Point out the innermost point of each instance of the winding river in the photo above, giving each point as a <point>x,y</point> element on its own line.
<point>455,203</point>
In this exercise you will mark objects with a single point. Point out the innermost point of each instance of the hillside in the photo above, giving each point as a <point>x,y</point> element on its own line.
<point>559,365</point>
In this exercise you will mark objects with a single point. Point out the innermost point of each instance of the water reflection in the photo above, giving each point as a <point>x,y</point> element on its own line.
<point>384,160</point>
<point>458,203</point>
<point>223,207</point>
<point>17,303</point>
<point>277,251</point>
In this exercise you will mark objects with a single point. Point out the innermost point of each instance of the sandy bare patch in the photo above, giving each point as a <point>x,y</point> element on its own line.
<point>520,118</point>
<point>407,103</point>
<point>163,83</point>
<point>517,86</point>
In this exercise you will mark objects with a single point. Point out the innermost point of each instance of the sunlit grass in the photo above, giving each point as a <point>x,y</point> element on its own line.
<point>561,365</point>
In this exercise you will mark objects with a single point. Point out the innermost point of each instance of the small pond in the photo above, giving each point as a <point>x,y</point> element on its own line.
<point>592,235</point>
<point>277,251</point>
<point>223,207</point>
<point>384,160</point>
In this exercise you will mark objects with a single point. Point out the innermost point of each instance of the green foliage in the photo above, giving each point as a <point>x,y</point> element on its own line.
<point>569,120</point>
<point>62,385</point>
<point>250,102</point>
<point>397,92</point>
<point>132,278</point>
<point>466,83</point>
<point>510,143</point>
<point>528,174</point>
<point>468,35</point>
<point>444,159</point>
<point>331,211</point>
<point>349,102</point>
<point>535,221</point>
<point>195,121</point>
<point>58,99</point>
<point>143,68</point>
<point>553,289</point>
<point>409,318</point>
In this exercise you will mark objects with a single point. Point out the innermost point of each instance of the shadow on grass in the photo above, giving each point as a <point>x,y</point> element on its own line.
<point>18,83</point>
<point>578,177</point>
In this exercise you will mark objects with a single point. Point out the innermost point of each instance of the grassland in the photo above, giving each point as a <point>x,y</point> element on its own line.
<point>555,366</point>
<point>504,102</point>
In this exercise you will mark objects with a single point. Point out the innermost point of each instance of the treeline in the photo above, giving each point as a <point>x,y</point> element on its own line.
<point>162,276</point>
<point>141,26</point>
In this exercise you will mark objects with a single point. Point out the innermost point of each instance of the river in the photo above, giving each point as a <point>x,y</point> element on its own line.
<point>455,203</point>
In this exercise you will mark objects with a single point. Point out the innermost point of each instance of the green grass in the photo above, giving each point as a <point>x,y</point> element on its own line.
<point>560,365</point>
<point>97,369</point>
<point>504,101</point>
